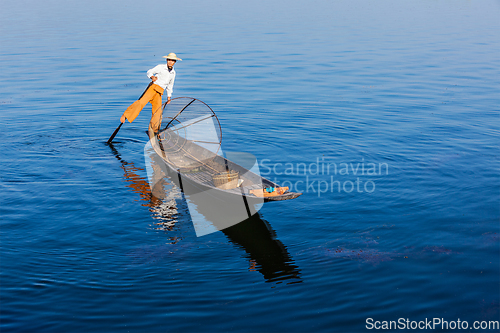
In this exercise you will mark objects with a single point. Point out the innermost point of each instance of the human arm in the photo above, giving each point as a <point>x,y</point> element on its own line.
<point>152,72</point>
<point>170,88</point>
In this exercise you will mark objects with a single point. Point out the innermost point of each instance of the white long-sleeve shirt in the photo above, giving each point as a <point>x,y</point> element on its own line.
<point>165,77</point>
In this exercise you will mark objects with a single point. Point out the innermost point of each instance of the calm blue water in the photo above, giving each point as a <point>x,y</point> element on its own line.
<point>412,87</point>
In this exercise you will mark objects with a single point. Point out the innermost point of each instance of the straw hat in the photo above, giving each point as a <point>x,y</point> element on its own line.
<point>172,56</point>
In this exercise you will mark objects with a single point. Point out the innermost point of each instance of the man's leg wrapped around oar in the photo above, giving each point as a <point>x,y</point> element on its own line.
<point>153,95</point>
<point>156,114</point>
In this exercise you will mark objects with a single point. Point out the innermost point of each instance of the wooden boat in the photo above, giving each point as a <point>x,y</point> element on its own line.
<point>197,162</point>
<point>203,176</point>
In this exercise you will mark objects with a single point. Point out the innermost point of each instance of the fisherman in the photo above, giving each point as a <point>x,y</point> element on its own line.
<point>162,77</point>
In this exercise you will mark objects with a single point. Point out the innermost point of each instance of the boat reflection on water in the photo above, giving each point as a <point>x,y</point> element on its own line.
<point>266,254</point>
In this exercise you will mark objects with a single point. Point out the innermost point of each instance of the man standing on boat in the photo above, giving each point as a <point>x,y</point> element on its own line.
<point>162,77</point>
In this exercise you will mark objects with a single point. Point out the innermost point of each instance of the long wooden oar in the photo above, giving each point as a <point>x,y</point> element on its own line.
<point>114,133</point>
<point>118,128</point>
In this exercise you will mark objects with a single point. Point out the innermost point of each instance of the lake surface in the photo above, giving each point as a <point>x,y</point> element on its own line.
<point>402,99</point>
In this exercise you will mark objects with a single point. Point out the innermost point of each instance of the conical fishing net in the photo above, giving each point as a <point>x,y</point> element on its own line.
<point>188,138</point>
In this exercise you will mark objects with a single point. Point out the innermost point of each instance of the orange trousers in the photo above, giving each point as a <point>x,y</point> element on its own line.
<point>153,96</point>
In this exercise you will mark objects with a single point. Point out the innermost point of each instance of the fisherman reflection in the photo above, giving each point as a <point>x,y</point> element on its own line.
<point>161,203</point>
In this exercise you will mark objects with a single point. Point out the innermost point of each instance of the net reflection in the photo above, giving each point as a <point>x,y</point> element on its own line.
<point>266,254</point>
